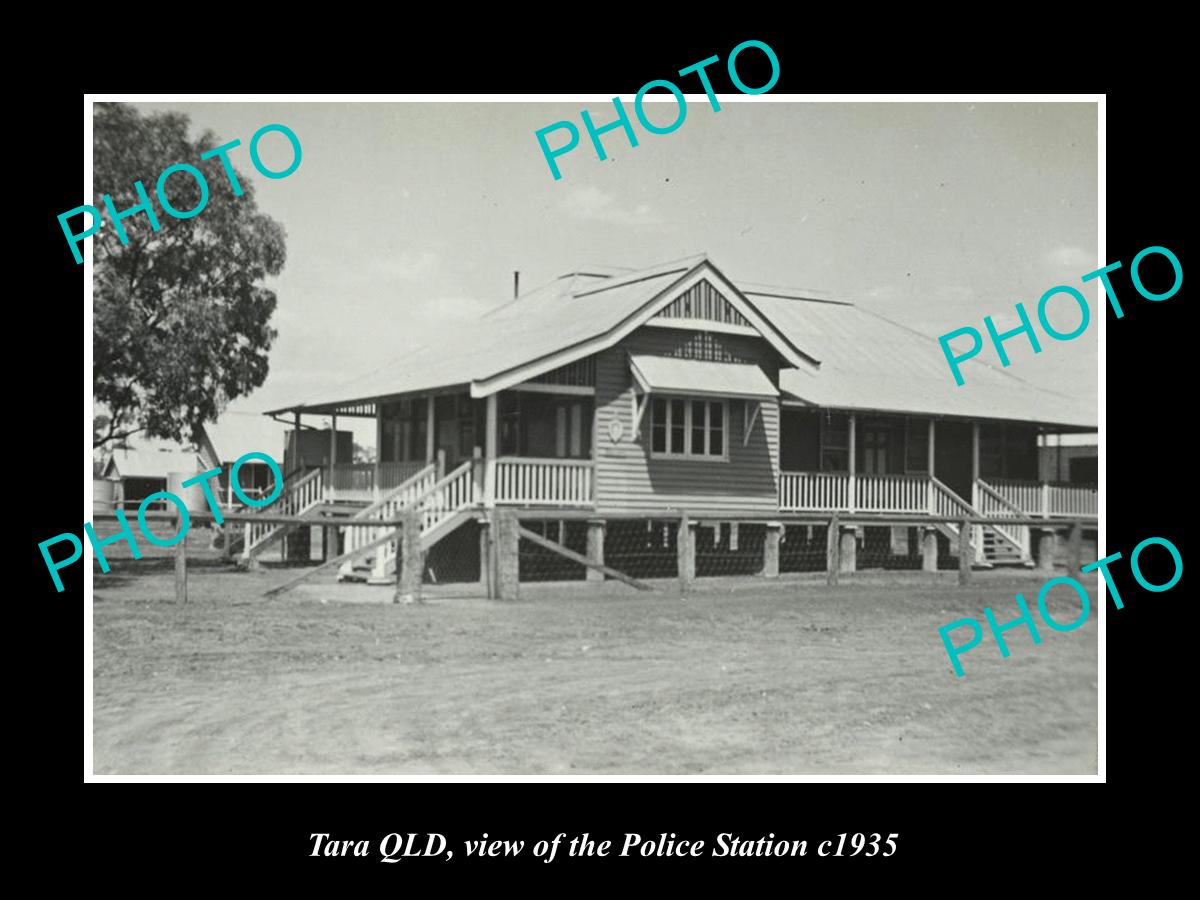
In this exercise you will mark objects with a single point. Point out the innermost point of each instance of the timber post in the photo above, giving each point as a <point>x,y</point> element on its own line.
<point>964,552</point>
<point>833,550</point>
<point>1075,548</point>
<point>685,547</point>
<point>410,566</point>
<point>771,540</point>
<point>486,574</point>
<point>180,562</point>
<point>508,558</point>
<point>929,549</point>
<point>848,554</point>
<point>1047,543</point>
<point>595,548</point>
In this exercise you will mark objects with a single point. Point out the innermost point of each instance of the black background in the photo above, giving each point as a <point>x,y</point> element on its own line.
<point>953,836</point>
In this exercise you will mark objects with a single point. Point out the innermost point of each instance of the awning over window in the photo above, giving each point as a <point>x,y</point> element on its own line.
<point>665,375</point>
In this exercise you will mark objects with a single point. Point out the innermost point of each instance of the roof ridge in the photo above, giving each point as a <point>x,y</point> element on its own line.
<point>755,293</point>
<point>627,282</point>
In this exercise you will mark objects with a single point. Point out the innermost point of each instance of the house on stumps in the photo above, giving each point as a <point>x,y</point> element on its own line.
<point>605,404</point>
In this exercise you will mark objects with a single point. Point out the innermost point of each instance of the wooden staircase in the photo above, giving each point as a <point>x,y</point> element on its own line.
<point>991,545</point>
<point>1009,545</point>
<point>442,504</point>
<point>302,494</point>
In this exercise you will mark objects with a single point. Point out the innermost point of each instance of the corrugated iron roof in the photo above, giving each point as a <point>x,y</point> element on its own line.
<point>868,361</point>
<point>557,315</point>
<point>238,433</point>
<point>153,461</point>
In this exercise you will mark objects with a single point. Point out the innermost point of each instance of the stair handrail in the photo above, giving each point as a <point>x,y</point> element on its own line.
<point>1022,543</point>
<point>1014,541</point>
<point>952,496</point>
<point>406,494</point>
<point>966,507</point>
<point>387,552</point>
<point>1002,500</point>
<point>446,479</point>
<point>257,534</point>
<point>289,491</point>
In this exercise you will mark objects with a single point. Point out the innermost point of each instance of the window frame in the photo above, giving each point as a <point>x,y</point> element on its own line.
<point>688,453</point>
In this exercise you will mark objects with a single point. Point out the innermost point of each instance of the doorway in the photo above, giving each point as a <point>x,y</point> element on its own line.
<point>952,457</point>
<point>875,450</point>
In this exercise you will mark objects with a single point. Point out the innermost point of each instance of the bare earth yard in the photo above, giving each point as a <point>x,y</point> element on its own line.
<point>742,677</point>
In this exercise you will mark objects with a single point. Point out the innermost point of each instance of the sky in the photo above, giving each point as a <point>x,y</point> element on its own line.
<point>404,219</point>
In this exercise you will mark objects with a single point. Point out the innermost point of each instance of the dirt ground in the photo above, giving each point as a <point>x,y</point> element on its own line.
<point>741,677</point>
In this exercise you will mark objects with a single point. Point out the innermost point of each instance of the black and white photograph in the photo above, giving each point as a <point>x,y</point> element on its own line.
<point>440,437</point>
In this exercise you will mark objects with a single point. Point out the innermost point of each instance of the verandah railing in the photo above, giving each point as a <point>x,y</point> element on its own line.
<point>361,477</point>
<point>918,494</point>
<point>1044,499</point>
<point>550,482</point>
<point>820,491</point>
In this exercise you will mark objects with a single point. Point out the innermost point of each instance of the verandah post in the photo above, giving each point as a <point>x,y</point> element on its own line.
<point>330,489</point>
<point>477,474</point>
<point>852,486</point>
<point>375,473</point>
<point>491,446</point>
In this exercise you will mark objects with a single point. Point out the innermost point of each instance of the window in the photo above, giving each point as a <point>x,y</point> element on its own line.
<point>693,428</point>
<point>568,430</point>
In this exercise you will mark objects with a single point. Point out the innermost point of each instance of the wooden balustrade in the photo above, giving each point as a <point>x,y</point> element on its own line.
<point>1043,499</point>
<point>360,477</point>
<point>818,491</point>
<point>891,493</point>
<point>994,505</point>
<point>545,482</point>
<point>1071,500</point>
<point>803,491</point>
<point>300,493</point>
<point>388,508</point>
<point>437,501</point>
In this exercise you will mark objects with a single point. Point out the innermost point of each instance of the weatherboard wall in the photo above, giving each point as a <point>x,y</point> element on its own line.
<point>630,481</point>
